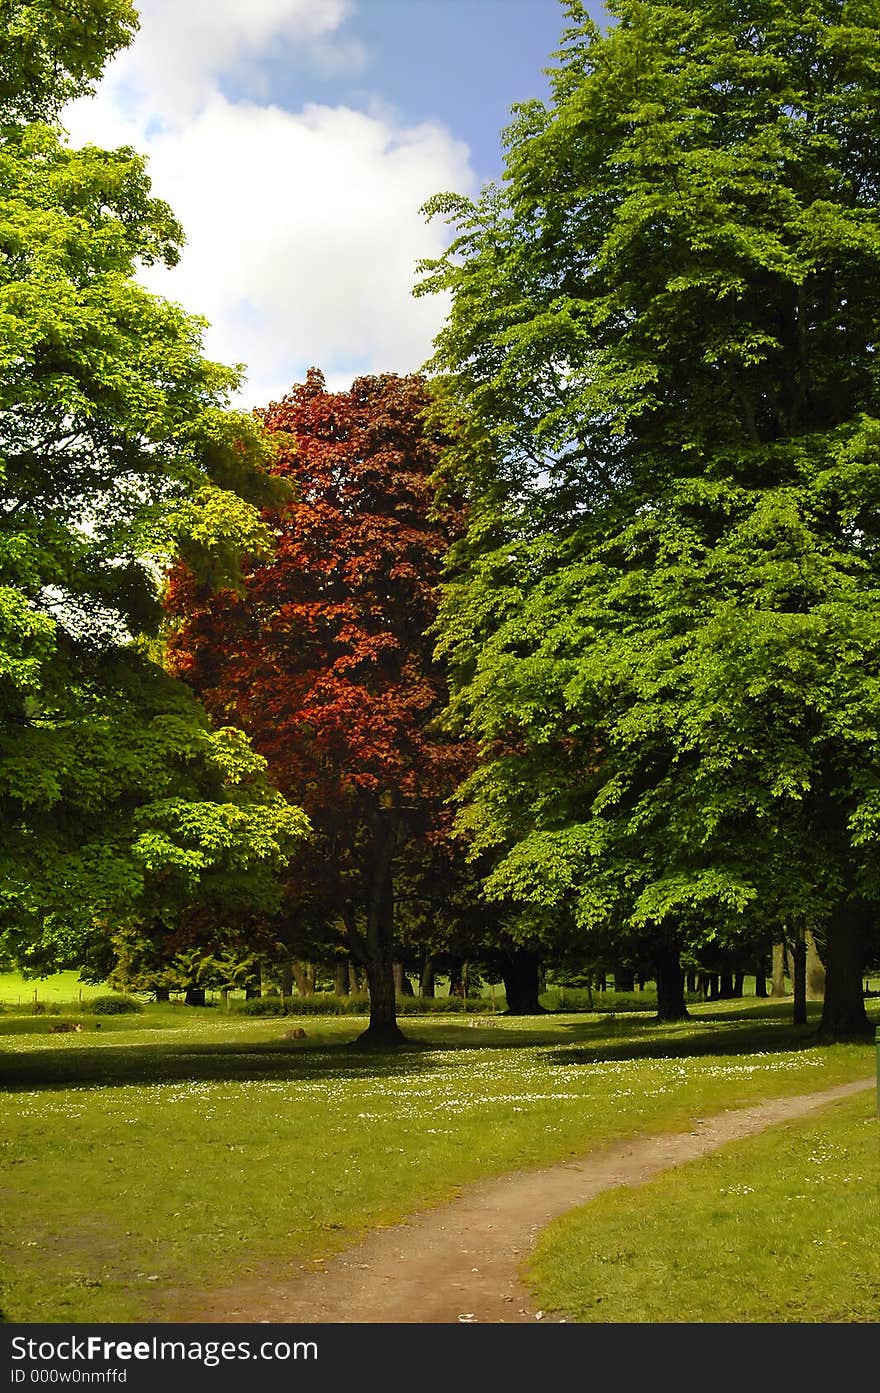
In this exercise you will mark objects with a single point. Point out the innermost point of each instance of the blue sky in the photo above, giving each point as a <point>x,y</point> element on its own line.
<point>297,141</point>
<point>463,62</point>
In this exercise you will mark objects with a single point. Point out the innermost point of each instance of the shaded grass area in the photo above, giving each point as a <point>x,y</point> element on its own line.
<point>781,1227</point>
<point>184,1148</point>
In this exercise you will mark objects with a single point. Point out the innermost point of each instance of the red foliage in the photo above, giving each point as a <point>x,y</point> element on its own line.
<point>325,659</point>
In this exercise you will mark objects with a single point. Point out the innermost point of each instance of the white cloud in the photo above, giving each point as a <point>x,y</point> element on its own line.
<point>184,46</point>
<point>302,226</point>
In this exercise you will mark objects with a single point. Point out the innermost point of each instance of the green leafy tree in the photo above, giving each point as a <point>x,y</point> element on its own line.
<point>117,452</point>
<point>663,625</point>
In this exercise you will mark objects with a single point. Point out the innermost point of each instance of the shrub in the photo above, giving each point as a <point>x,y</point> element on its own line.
<point>321,1004</point>
<point>113,1006</point>
<point>329,1004</point>
<point>446,1005</point>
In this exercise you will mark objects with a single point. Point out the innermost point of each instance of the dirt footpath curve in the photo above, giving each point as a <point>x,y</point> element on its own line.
<point>459,1261</point>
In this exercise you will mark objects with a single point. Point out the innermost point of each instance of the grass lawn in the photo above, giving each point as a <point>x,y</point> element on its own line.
<point>783,1227</point>
<point>184,1146</point>
<point>60,987</point>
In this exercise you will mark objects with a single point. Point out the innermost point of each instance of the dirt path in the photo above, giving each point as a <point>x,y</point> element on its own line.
<point>460,1261</point>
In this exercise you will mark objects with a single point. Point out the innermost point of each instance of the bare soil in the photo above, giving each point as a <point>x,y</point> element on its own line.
<point>460,1261</point>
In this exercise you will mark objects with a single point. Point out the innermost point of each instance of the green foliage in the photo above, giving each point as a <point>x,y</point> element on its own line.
<point>320,1004</point>
<point>114,1006</point>
<point>52,53</point>
<point>662,626</point>
<point>117,452</point>
<point>329,1004</point>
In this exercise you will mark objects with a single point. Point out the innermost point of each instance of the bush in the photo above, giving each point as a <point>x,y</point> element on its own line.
<point>447,1005</point>
<point>112,1006</point>
<point>329,1004</point>
<point>321,1004</point>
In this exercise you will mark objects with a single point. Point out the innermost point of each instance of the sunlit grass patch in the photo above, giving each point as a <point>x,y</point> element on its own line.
<point>186,1148</point>
<point>781,1227</point>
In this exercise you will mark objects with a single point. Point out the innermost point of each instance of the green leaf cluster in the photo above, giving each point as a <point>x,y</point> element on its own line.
<point>118,452</point>
<point>664,625</point>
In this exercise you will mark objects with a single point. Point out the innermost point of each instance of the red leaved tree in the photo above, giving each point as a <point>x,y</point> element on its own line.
<point>325,658</point>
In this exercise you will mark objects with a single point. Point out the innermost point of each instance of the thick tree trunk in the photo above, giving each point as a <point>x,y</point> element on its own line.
<point>670,986</point>
<point>778,975</point>
<point>725,990</point>
<point>251,991</point>
<point>693,982</point>
<point>340,977</point>
<point>624,980</point>
<point>521,977</point>
<point>162,994</point>
<point>843,1012</point>
<point>739,979</point>
<point>383,1030</point>
<point>426,979</point>
<point>798,954</point>
<point>760,980</point>
<point>194,996</point>
<point>286,978</point>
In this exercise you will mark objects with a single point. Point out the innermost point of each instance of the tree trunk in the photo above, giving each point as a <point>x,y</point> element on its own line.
<point>426,979</point>
<point>402,984</point>
<point>353,978</point>
<point>456,977</point>
<point>304,974</point>
<point>520,974</point>
<point>778,987</point>
<point>624,980</point>
<point>383,1030</point>
<point>798,953</point>
<point>725,989</point>
<point>843,1012</point>
<point>693,982</point>
<point>670,986</point>
<point>286,978</point>
<point>815,970</point>
<point>251,991</point>
<point>760,980</point>
<point>162,994</point>
<point>738,983</point>
<point>340,977</point>
<point>194,996</point>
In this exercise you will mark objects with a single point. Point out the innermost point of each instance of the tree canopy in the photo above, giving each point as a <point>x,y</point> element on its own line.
<point>663,630</point>
<point>326,660</point>
<point>117,451</point>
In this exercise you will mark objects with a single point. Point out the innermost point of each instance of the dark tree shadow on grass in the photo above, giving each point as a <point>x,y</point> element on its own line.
<point>762,1028</point>
<point>173,1062</point>
<point>717,1037</point>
